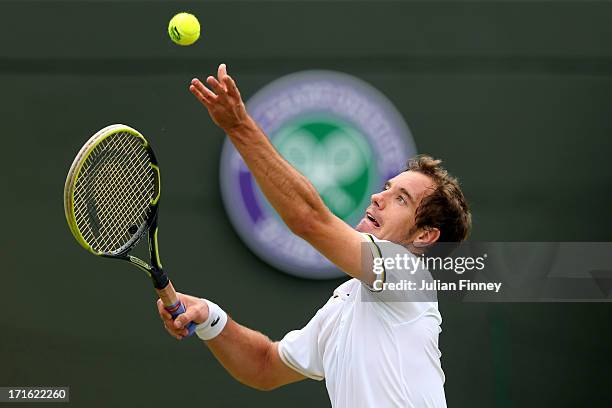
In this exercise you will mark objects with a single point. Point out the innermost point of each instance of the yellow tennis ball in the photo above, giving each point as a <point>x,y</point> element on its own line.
<point>184,29</point>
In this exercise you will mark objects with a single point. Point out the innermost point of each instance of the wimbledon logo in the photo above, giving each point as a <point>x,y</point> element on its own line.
<point>339,132</point>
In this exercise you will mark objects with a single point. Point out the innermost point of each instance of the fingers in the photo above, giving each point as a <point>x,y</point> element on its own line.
<point>200,91</point>
<point>215,85</point>
<point>200,97</point>
<point>221,72</point>
<point>231,87</point>
<point>221,85</point>
<point>163,313</point>
<point>197,84</point>
<point>178,334</point>
<point>183,319</point>
<point>227,82</point>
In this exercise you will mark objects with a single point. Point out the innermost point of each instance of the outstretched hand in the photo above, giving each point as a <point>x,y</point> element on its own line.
<point>223,102</point>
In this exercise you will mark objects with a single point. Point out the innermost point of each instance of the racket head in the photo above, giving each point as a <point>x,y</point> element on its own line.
<point>112,191</point>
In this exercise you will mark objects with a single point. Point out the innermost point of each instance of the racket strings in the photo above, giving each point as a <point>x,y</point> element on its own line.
<point>116,200</point>
<point>113,192</point>
<point>111,199</point>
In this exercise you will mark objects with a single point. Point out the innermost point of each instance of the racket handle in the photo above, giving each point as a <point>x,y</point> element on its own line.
<point>173,305</point>
<point>179,309</point>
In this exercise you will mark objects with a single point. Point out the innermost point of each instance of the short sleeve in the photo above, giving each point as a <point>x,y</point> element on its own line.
<point>374,250</point>
<point>396,292</point>
<point>299,350</point>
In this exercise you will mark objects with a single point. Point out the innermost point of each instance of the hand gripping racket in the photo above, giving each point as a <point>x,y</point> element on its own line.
<point>111,199</point>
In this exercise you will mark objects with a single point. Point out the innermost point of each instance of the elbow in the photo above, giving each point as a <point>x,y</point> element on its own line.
<point>261,381</point>
<point>305,220</point>
<point>265,386</point>
<point>266,379</point>
<point>258,384</point>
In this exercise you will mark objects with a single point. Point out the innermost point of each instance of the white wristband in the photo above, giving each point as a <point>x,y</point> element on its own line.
<point>217,319</point>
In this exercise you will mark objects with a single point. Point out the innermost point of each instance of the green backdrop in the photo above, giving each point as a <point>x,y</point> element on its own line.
<point>515,96</point>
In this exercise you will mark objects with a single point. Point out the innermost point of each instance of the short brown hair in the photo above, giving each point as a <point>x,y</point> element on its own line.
<point>445,208</point>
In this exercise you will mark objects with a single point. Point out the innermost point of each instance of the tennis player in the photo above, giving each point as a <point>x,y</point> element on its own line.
<point>371,352</point>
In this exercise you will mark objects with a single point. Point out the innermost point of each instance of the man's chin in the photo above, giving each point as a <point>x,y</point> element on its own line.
<point>364,226</point>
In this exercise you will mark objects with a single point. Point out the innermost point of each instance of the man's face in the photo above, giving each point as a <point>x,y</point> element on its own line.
<point>390,215</point>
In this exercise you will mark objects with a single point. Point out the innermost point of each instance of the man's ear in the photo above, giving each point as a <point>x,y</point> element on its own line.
<point>426,237</point>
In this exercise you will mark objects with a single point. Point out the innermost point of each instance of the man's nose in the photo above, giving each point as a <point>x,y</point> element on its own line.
<point>378,201</point>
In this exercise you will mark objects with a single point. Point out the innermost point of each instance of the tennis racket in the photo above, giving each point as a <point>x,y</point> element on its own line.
<point>111,200</point>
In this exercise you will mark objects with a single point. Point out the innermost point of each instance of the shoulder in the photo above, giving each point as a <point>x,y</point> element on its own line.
<point>384,248</point>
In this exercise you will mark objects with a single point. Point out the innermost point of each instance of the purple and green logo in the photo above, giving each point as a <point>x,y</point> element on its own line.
<point>342,134</point>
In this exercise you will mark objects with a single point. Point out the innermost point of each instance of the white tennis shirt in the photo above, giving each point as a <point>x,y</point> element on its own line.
<point>372,353</point>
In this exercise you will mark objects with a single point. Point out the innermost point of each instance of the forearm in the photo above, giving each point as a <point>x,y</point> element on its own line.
<point>290,193</point>
<point>248,356</point>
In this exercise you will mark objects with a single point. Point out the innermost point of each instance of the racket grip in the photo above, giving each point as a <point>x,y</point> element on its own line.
<point>178,309</point>
<point>173,305</point>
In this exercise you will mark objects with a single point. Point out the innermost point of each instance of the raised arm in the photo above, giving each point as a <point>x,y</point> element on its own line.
<point>289,192</point>
<point>249,356</point>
